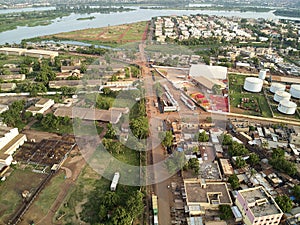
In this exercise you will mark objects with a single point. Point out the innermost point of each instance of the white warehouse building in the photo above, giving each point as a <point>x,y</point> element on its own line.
<point>287,107</point>
<point>10,141</point>
<point>282,95</point>
<point>295,90</point>
<point>253,84</point>
<point>277,87</point>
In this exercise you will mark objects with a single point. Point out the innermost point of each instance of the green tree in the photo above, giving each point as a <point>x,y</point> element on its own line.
<point>135,204</point>
<point>296,192</point>
<point>167,139</point>
<point>102,213</point>
<point>227,140</point>
<point>139,127</point>
<point>121,217</point>
<point>110,199</point>
<point>277,153</point>
<point>111,133</point>
<point>234,181</point>
<point>193,164</point>
<point>67,91</point>
<point>226,212</point>
<point>253,159</point>
<point>240,162</point>
<point>284,202</point>
<point>203,137</point>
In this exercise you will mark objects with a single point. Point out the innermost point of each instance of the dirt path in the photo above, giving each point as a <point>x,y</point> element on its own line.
<point>124,33</point>
<point>74,169</point>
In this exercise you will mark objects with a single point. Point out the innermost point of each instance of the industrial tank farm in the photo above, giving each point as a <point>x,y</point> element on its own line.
<point>282,95</point>
<point>295,91</point>
<point>287,107</point>
<point>277,87</point>
<point>253,84</point>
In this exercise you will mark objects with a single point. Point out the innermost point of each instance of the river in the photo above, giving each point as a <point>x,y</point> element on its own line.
<point>70,23</point>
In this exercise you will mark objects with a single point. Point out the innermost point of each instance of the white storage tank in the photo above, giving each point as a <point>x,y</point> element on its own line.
<point>282,95</point>
<point>262,74</point>
<point>253,84</point>
<point>295,90</point>
<point>277,87</point>
<point>287,107</point>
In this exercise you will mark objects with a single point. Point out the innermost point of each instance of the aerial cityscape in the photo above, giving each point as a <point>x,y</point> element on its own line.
<point>123,112</point>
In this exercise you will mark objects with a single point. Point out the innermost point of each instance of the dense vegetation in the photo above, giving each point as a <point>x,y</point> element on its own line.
<point>280,163</point>
<point>113,208</point>
<point>16,115</point>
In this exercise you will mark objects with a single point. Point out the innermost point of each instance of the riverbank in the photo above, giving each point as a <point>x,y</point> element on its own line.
<point>112,36</point>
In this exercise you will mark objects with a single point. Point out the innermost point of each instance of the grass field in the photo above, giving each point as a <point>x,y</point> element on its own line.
<point>88,180</point>
<point>69,211</point>
<point>11,190</point>
<point>169,49</point>
<point>236,93</point>
<point>111,35</point>
<point>49,194</point>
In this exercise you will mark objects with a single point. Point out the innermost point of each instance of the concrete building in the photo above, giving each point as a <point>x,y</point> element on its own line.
<point>17,77</point>
<point>113,115</point>
<point>13,51</point>
<point>29,52</point>
<point>10,141</point>
<point>8,86</point>
<point>41,53</point>
<point>41,106</point>
<point>211,72</point>
<point>57,84</point>
<point>3,108</point>
<point>202,195</point>
<point>258,207</point>
<point>226,167</point>
<point>295,137</point>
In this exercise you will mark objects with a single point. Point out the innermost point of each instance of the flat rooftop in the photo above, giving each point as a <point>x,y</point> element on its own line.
<point>210,170</point>
<point>260,203</point>
<point>112,115</point>
<point>213,72</point>
<point>43,101</point>
<point>197,193</point>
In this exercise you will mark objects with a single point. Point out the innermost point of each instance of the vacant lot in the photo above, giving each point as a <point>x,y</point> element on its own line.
<point>257,106</point>
<point>111,35</point>
<point>70,209</point>
<point>11,190</point>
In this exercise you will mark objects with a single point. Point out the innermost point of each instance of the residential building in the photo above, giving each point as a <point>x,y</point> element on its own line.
<point>3,108</point>
<point>41,106</point>
<point>17,77</point>
<point>258,207</point>
<point>7,87</point>
<point>295,137</point>
<point>202,195</point>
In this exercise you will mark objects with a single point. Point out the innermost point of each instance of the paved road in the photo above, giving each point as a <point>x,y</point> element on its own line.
<point>157,172</point>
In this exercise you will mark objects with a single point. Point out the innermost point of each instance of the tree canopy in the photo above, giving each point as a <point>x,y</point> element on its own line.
<point>234,181</point>
<point>284,202</point>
